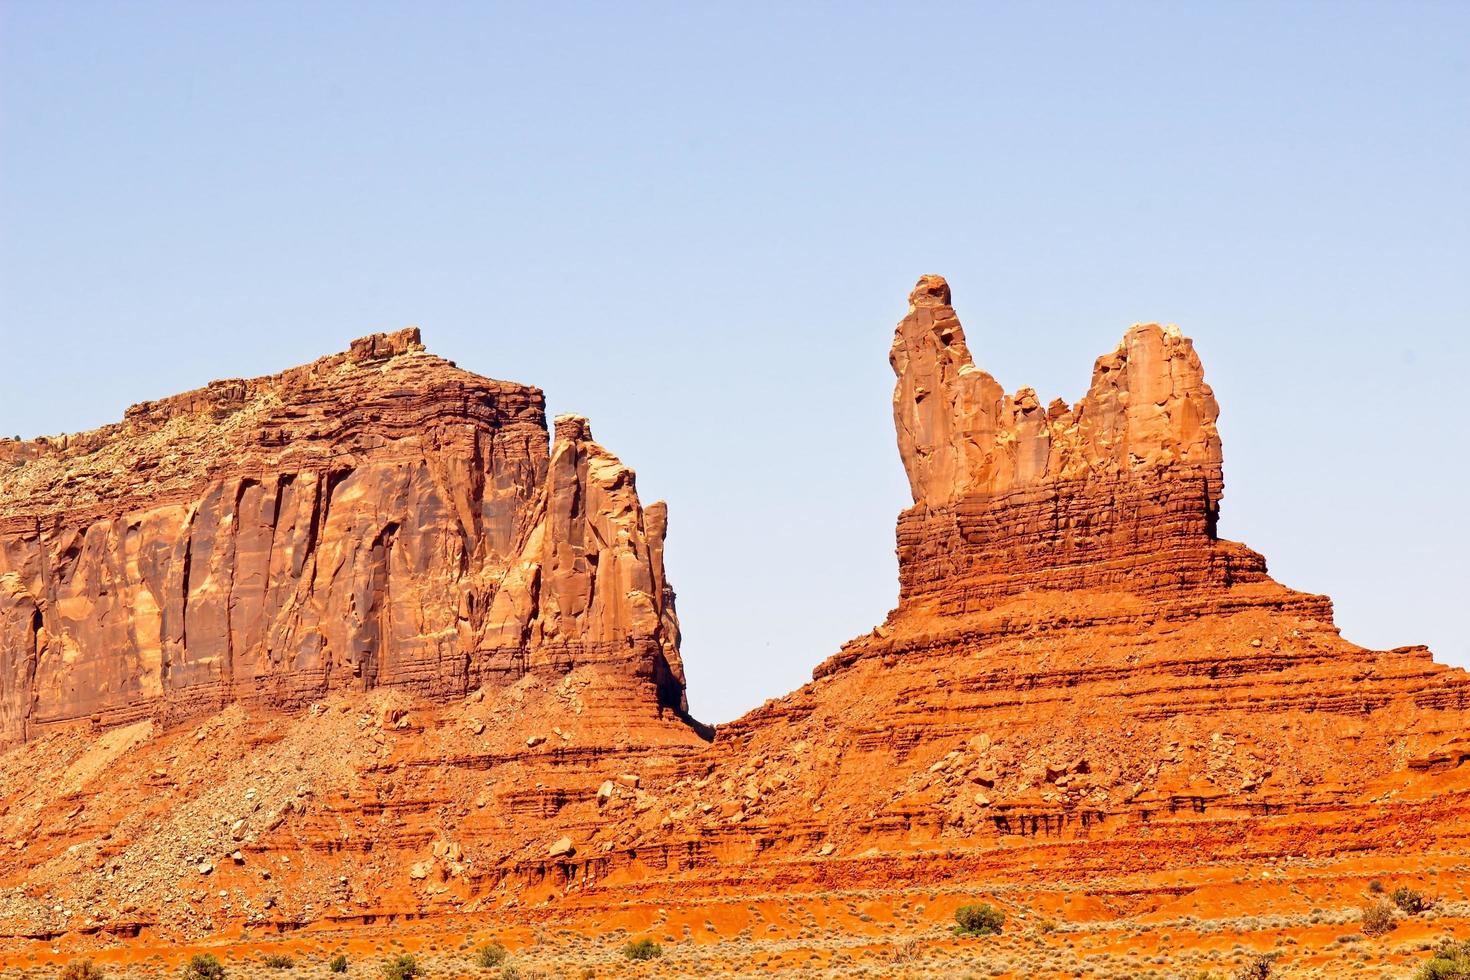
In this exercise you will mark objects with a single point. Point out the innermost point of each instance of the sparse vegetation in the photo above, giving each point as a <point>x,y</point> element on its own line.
<point>1258,967</point>
<point>1030,943</point>
<point>491,954</point>
<point>1378,919</point>
<point>280,961</point>
<point>1375,886</point>
<point>1451,961</point>
<point>643,949</point>
<point>401,967</point>
<point>204,966</point>
<point>979,920</point>
<point>1409,901</point>
<point>82,970</point>
<point>907,952</point>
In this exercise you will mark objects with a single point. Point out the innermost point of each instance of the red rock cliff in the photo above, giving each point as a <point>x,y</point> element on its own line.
<point>1077,658</point>
<point>1122,488</point>
<point>375,518</point>
<point>1084,703</point>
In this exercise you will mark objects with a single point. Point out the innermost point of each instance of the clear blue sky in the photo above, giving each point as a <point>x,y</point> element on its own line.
<point>697,224</point>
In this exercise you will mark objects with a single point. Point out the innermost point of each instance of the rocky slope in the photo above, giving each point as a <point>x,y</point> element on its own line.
<point>1078,661</point>
<point>1082,691</point>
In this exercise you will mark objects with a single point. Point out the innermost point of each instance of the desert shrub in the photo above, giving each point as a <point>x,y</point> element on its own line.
<point>491,954</point>
<point>280,961</point>
<point>1375,886</point>
<point>82,970</point>
<point>907,952</point>
<point>204,966</point>
<point>1408,900</point>
<point>1451,961</point>
<point>401,967</point>
<point>510,972</point>
<point>979,920</point>
<point>643,949</point>
<point>1377,919</point>
<point>1258,967</point>
<point>338,963</point>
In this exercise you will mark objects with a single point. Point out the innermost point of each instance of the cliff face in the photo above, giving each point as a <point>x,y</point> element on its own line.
<point>1120,490</point>
<point>1082,692</point>
<point>587,580</point>
<point>1148,415</point>
<point>377,518</point>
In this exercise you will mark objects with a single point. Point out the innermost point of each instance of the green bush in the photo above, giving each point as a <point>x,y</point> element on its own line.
<point>280,961</point>
<point>1451,961</point>
<point>979,920</point>
<point>82,970</point>
<point>204,966</point>
<point>491,954</point>
<point>1378,919</point>
<point>401,967</point>
<point>1408,900</point>
<point>643,949</point>
<point>338,963</point>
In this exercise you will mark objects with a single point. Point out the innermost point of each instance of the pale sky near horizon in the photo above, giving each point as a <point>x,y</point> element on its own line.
<point>698,223</point>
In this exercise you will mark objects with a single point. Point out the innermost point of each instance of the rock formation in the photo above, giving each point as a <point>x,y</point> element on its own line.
<point>1076,654</point>
<point>1082,692</point>
<point>1147,416</point>
<point>377,518</point>
<point>1123,487</point>
<point>587,581</point>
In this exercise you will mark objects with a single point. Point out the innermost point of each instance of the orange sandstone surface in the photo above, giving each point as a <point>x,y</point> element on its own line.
<point>354,658</point>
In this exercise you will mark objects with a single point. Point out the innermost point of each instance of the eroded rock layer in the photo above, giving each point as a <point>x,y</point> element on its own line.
<point>377,518</point>
<point>1077,657</point>
<point>1121,490</point>
<point>1085,707</point>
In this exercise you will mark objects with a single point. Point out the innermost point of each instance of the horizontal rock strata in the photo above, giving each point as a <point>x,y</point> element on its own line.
<point>375,518</point>
<point>1082,691</point>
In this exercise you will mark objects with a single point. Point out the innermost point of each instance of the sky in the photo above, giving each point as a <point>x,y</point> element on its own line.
<point>698,223</point>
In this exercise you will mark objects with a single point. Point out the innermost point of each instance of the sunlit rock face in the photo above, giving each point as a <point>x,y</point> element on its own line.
<point>1122,488</point>
<point>1083,703</point>
<point>1079,676</point>
<point>377,518</point>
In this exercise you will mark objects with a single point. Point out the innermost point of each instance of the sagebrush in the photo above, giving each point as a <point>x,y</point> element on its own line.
<point>979,920</point>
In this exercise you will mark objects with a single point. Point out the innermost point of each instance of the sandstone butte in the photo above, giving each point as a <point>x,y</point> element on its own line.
<point>355,647</point>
